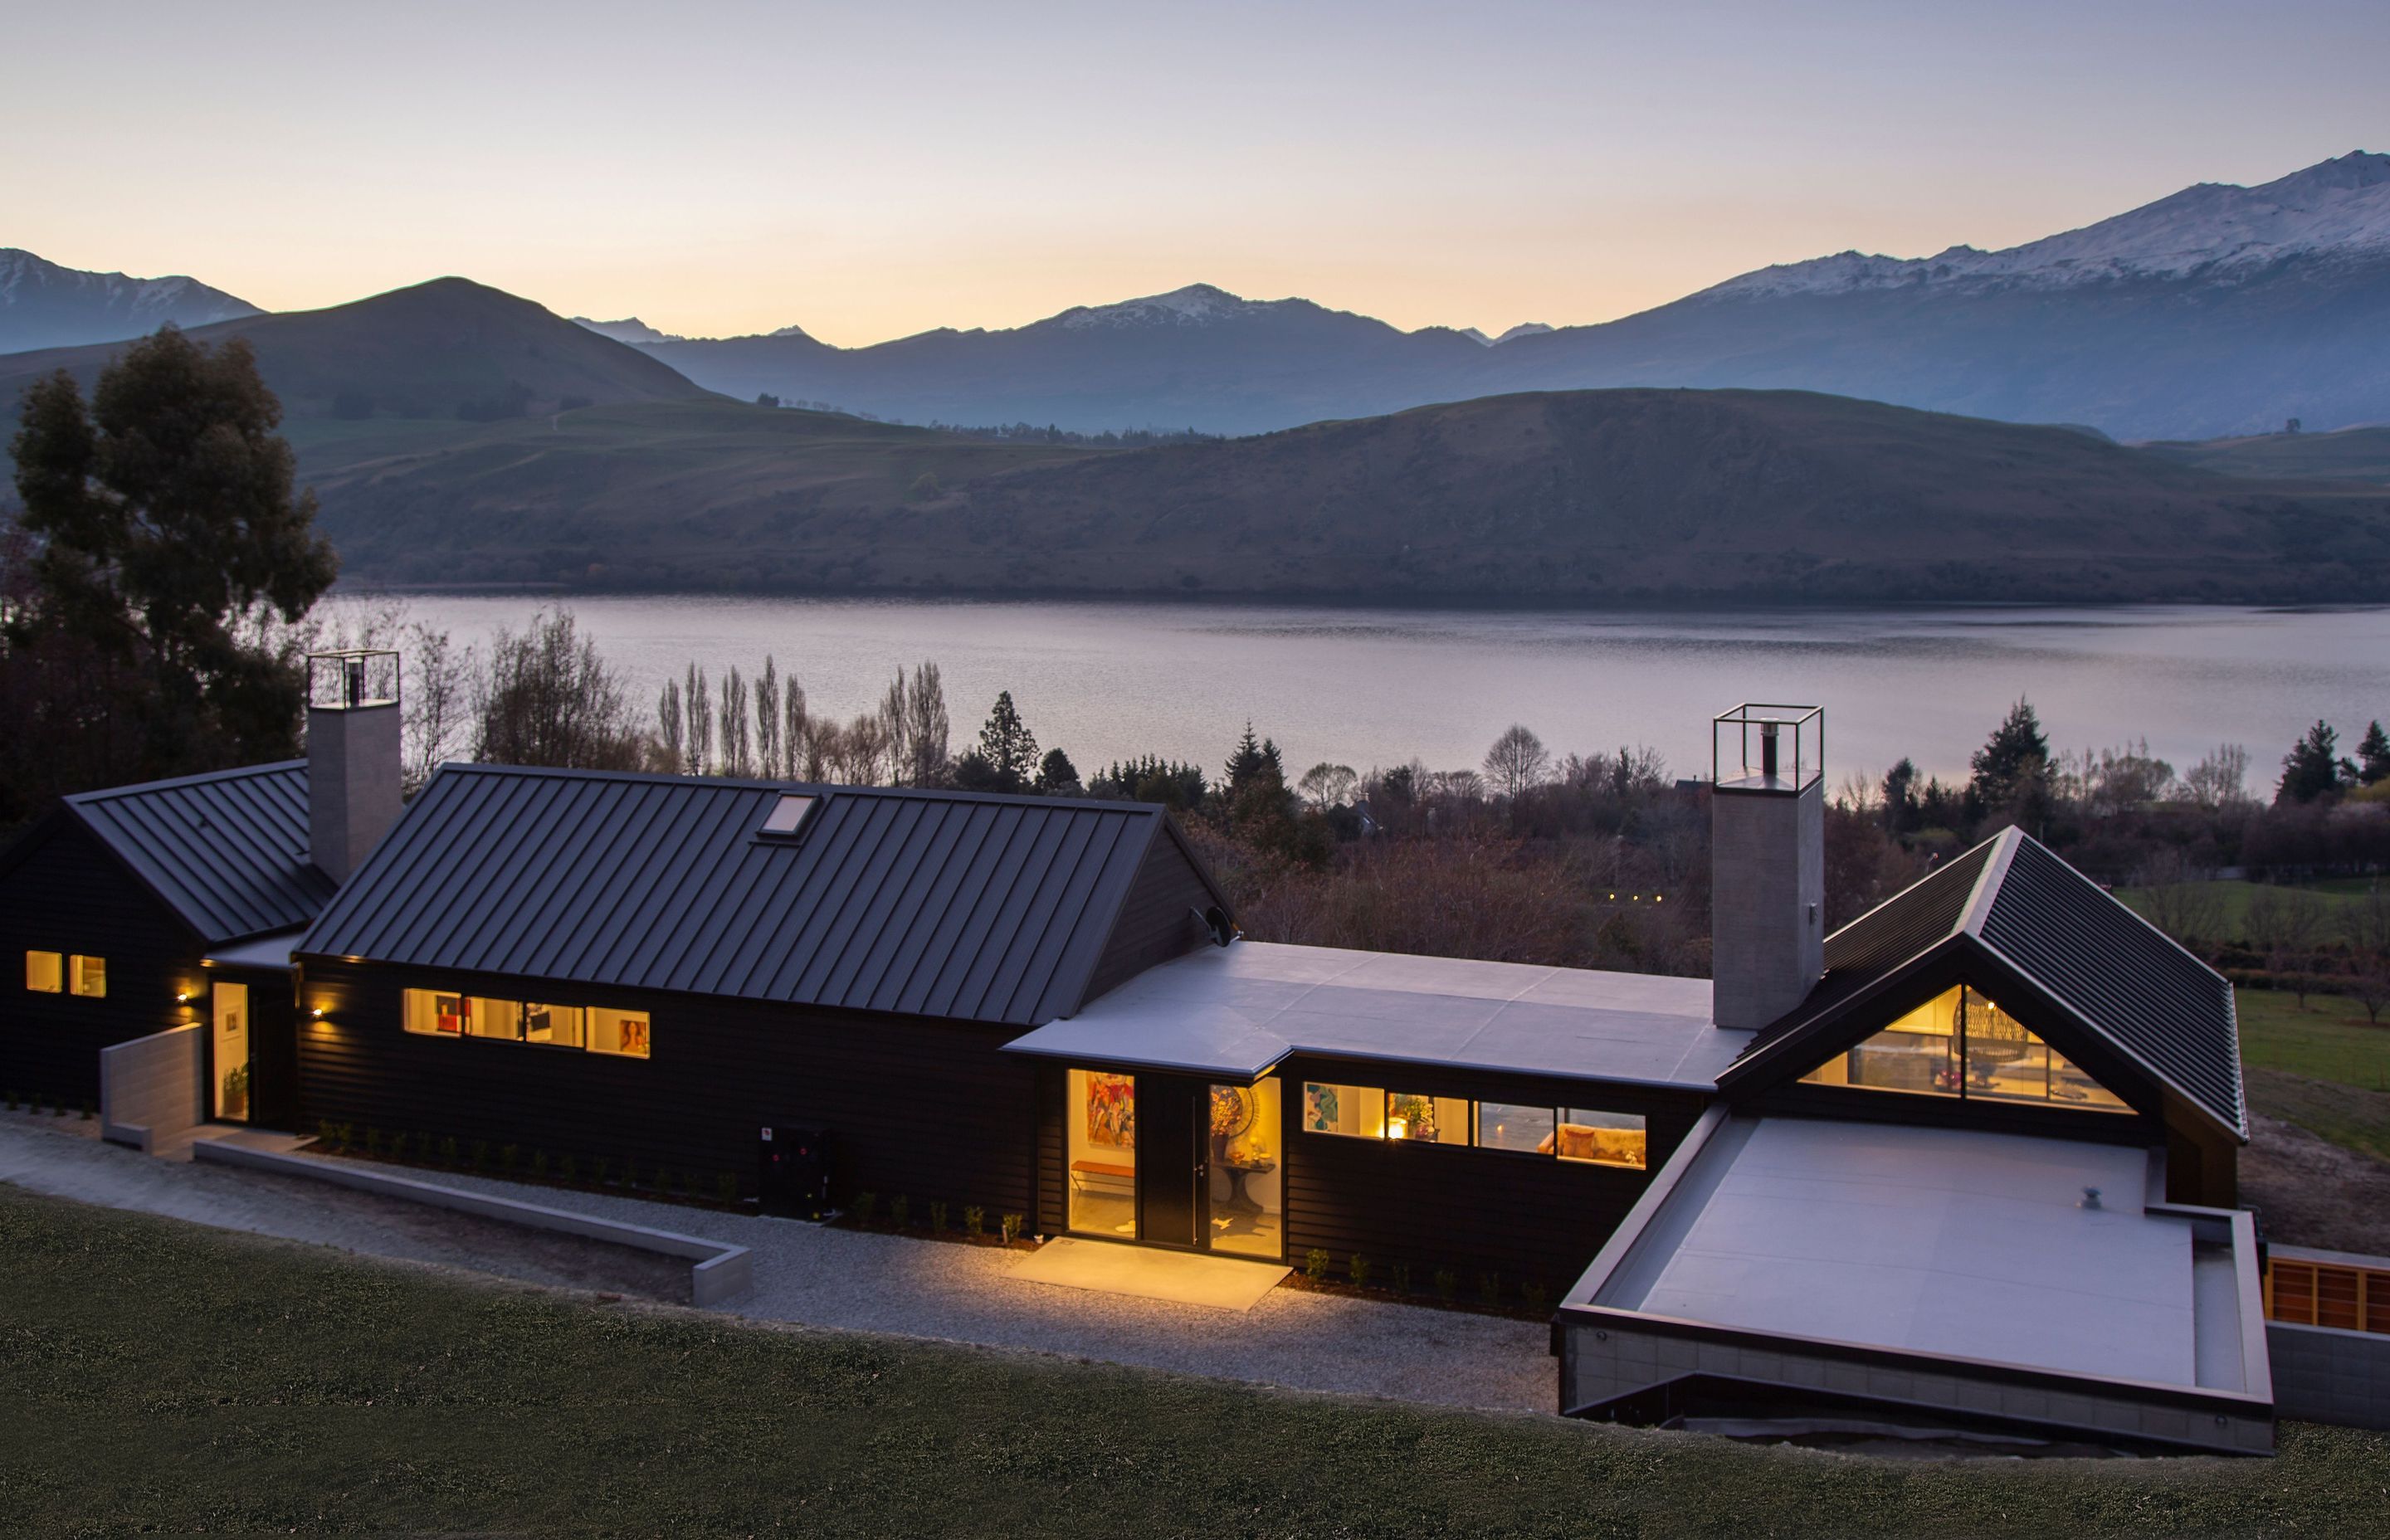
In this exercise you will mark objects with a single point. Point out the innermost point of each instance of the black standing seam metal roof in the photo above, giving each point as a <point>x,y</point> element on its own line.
<point>225,851</point>
<point>979,908</point>
<point>2120,976</point>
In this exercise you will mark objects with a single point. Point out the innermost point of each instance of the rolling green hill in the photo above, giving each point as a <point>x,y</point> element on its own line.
<point>1577,496</point>
<point>2359,454</point>
<point>433,352</point>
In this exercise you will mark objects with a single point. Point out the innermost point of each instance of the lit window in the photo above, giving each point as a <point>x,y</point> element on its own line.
<point>436,1013</point>
<point>1359,1111</point>
<point>618,1031</point>
<point>87,976</point>
<point>787,815</point>
<point>45,973</point>
<point>1501,1125</point>
<point>498,1019</point>
<point>1426,1120</point>
<point>559,1025</point>
<point>1601,1138</point>
<point>1961,1043</point>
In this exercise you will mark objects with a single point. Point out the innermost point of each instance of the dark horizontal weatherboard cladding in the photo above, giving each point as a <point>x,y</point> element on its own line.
<point>63,893</point>
<point>918,903</point>
<point>929,1110</point>
<point>1525,1218</point>
<point>227,852</point>
<point>2139,989</point>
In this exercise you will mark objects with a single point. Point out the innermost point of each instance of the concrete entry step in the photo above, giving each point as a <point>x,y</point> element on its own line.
<point>1182,1277</point>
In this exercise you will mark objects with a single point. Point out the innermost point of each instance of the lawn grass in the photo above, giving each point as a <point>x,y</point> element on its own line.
<point>163,1377</point>
<point>2328,1040</point>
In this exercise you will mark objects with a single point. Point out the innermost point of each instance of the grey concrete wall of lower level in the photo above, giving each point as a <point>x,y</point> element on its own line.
<point>721,1271</point>
<point>152,1088</point>
<point>1599,1362</point>
<point>2322,1374</point>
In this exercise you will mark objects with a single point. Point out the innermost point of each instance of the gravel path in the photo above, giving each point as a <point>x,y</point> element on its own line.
<point>810,1276</point>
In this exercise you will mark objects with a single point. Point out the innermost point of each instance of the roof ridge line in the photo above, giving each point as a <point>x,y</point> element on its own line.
<point>1988,884</point>
<point>84,799</point>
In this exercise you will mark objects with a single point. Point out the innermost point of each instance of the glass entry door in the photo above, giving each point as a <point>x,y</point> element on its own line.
<point>229,1052</point>
<point>1246,1185</point>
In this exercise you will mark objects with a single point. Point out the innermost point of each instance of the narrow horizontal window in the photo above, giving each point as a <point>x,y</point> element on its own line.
<point>87,976</point>
<point>1601,1138</point>
<point>45,973</point>
<point>559,1026</point>
<point>1358,1111</point>
<point>498,1019</point>
<point>1502,1126</point>
<point>437,1014</point>
<point>1426,1120</point>
<point>618,1031</point>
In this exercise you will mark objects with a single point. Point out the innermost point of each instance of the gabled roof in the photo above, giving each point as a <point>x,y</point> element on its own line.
<point>981,907</point>
<point>225,851</point>
<point>2092,959</point>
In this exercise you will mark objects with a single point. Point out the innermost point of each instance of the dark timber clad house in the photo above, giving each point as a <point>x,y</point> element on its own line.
<point>139,908</point>
<point>1040,1007</point>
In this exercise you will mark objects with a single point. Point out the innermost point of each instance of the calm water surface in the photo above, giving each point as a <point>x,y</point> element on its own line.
<point>1380,686</point>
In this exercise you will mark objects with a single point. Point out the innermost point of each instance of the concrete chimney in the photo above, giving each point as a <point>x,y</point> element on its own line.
<point>352,756</point>
<point>1767,861</point>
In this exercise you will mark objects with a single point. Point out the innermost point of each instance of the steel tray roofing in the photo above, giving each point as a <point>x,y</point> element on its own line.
<point>226,852</point>
<point>2089,956</point>
<point>979,908</point>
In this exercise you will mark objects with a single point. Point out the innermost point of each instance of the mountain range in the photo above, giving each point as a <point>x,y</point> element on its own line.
<point>2220,309</point>
<point>458,433</point>
<point>43,305</point>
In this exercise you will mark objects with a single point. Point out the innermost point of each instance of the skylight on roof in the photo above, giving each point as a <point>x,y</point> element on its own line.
<point>788,816</point>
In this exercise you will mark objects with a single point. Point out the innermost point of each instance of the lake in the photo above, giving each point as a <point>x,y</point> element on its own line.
<point>1368,687</point>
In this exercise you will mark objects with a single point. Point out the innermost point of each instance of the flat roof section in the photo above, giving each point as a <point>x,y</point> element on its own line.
<point>1234,1011</point>
<point>1957,1243</point>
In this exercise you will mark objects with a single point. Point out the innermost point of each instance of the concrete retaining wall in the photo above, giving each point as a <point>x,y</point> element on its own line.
<point>153,1089</point>
<point>721,1271</point>
<point>2322,1374</point>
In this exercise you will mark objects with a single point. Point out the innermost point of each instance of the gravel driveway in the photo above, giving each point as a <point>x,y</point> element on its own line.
<point>810,1276</point>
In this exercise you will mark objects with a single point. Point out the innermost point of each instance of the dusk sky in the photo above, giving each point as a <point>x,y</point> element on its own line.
<point>867,172</point>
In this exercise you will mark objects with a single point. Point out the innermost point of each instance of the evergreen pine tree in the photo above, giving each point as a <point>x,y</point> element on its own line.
<point>2312,768</point>
<point>1007,747</point>
<point>2374,754</point>
<point>2010,761</point>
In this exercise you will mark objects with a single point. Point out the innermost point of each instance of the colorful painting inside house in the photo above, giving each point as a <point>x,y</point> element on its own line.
<point>1111,1110</point>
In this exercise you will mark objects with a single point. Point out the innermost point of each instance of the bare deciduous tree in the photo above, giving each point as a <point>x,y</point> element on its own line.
<point>2221,778</point>
<point>672,727</point>
<point>2179,900</point>
<point>549,698</point>
<point>698,699</point>
<point>1325,786</point>
<point>1517,763</point>
<point>737,756</point>
<point>797,741</point>
<point>767,722</point>
<point>2365,928</point>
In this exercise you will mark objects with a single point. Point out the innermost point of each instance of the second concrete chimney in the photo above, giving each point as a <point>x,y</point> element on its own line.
<point>352,756</point>
<point>1767,861</point>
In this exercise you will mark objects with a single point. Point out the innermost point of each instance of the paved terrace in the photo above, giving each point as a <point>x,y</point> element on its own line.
<point>843,1280</point>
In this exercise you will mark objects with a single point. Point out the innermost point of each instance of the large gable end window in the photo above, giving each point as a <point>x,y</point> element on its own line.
<point>1962,1043</point>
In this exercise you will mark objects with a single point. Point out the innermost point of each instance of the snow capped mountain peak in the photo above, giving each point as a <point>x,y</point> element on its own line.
<point>1195,305</point>
<point>42,304</point>
<point>2214,229</point>
<point>791,331</point>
